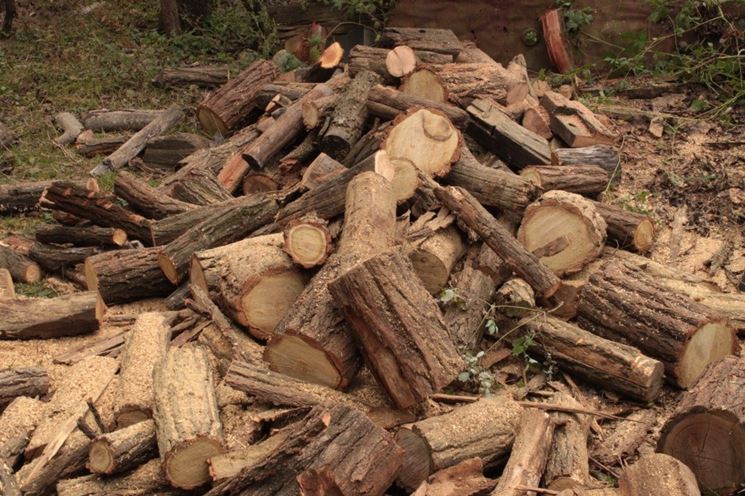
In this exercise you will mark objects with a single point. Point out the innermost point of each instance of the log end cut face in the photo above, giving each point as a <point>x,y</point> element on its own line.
<point>400,61</point>
<point>307,244</point>
<point>211,122</point>
<point>405,181</point>
<point>644,236</point>
<point>431,270</point>
<point>425,84</point>
<point>266,302</point>
<point>131,416</point>
<point>297,357</point>
<point>710,343</point>
<point>417,464</point>
<point>100,458</point>
<point>186,465</point>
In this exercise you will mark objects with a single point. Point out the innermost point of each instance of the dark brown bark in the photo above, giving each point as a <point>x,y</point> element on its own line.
<point>582,179</point>
<point>32,381</point>
<point>10,13</point>
<point>21,268</point>
<point>24,197</point>
<point>146,199</point>
<point>204,76</point>
<point>388,103</point>
<point>55,258</point>
<point>82,236</point>
<point>170,20</point>
<point>146,479</point>
<point>604,156</point>
<point>71,458</point>
<point>122,449</point>
<point>465,83</point>
<point>89,145</point>
<point>118,120</point>
<point>627,229</point>
<point>567,466</point>
<point>168,151</point>
<point>200,187</point>
<point>45,318</point>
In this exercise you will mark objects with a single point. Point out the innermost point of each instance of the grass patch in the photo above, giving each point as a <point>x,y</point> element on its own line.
<point>36,290</point>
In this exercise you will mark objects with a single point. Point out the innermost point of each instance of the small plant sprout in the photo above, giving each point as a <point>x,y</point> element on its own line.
<point>475,375</point>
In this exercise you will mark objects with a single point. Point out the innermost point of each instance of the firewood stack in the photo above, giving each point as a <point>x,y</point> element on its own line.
<point>310,249</point>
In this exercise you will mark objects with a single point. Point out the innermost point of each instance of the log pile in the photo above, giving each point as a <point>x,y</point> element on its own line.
<point>348,229</point>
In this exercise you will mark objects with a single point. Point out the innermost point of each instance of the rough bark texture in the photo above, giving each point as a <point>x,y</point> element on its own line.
<point>567,465</point>
<point>54,258</point>
<point>627,229</point>
<point>200,187</point>
<point>556,42</point>
<point>436,256</point>
<point>604,156</point>
<point>117,451</point>
<point>82,236</point>
<point>622,439</point>
<point>186,416</point>
<point>622,303</point>
<point>146,199</point>
<point>707,432</point>
<point>465,479</point>
<point>146,347</point>
<point>21,197</point>
<point>468,82</point>
<point>582,179</point>
<point>126,275</point>
<point>118,120</point>
<point>308,241</point>
<point>657,474</point>
<point>204,76</point>
<point>89,145</point>
<point>429,39</point>
<point>21,268</point>
<point>45,318</point>
<point>367,58</point>
<point>146,479</point>
<point>37,478</point>
<point>388,102</point>
<point>30,381</point>
<point>226,107</point>
<point>484,429</point>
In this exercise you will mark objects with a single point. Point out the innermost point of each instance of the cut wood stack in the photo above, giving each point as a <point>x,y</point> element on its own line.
<point>341,253</point>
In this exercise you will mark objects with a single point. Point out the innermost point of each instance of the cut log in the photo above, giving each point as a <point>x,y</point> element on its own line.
<point>567,466</point>
<point>186,416</point>
<point>217,230</point>
<point>226,107</point>
<point>55,258</point>
<point>146,479</point>
<point>622,303</point>
<point>582,179</point>
<point>308,241</point>
<point>168,151</point>
<point>99,209</point>
<point>119,120</point>
<point>464,479</point>
<point>511,142</point>
<point>200,187</point>
<point>21,197</point>
<point>556,43</point>
<point>255,280</point>
<point>627,229</point>
<point>557,215</point>
<point>466,83</point>
<point>231,463</point>
<point>71,127</point>
<point>429,39</point>
<point>139,140</point>
<point>146,199</point>
<point>348,119</point>
<point>90,146</point>
<point>126,275</point>
<point>388,103</point>
<point>425,84</point>
<point>324,67</point>
<point>614,366</point>
<point>311,342</point>
<point>436,256</point>
<point>367,58</point>
<point>404,338</point>
<point>39,477</point>
<point>7,289</point>
<point>146,347</point>
<point>321,170</point>
<point>515,298</point>
<point>21,267</point>
<point>492,187</point>
<point>31,381</point>
<point>658,474</point>
<point>706,431</point>
<point>204,76</point>
<point>536,119</point>
<point>604,156</point>
<point>400,61</point>
<point>484,429</point>
<point>529,454</point>
<point>82,236</point>
<point>123,449</point>
<point>524,263</point>
<point>438,142</point>
<point>574,123</point>
<point>17,422</point>
<point>45,318</point>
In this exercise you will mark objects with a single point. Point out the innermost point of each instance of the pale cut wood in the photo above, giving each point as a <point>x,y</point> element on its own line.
<point>574,123</point>
<point>436,256</point>
<point>465,479</point>
<point>17,422</point>
<point>556,43</point>
<point>118,120</point>
<point>400,61</point>
<point>657,474</point>
<point>28,381</point>
<point>21,267</point>
<point>44,318</point>
<point>71,127</point>
<point>363,57</point>
<point>308,241</point>
<point>118,451</point>
<point>230,464</point>
<point>425,84</point>
<point>7,289</point>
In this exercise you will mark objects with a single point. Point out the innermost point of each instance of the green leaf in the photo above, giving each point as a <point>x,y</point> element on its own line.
<point>464,376</point>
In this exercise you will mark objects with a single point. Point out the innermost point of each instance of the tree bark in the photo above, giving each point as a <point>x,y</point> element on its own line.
<point>367,58</point>
<point>21,267</point>
<point>118,120</point>
<point>627,229</point>
<point>567,466</point>
<point>71,458</point>
<point>55,258</point>
<point>429,39</point>
<point>89,145</point>
<point>186,416</point>
<point>146,199</point>
<point>604,156</point>
<point>123,449</point>
<point>82,236</point>
<point>146,479</point>
<point>45,318</point>
<point>30,382</point>
<point>586,180</point>
<point>556,43</point>
<point>10,13</point>
<point>464,479</point>
<point>204,76</point>
<point>388,103</point>
<point>200,187</point>
<point>658,474</point>
<point>436,256</point>
<point>170,20</point>
<point>466,83</point>
<point>574,123</point>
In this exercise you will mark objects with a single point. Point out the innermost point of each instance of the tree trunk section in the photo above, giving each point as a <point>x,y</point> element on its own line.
<point>308,241</point>
<point>424,83</point>
<point>658,474</point>
<point>170,20</point>
<point>556,43</point>
<point>82,236</point>
<point>388,103</point>
<point>367,58</point>
<point>30,382</point>
<point>118,120</point>
<point>90,146</point>
<point>582,179</point>
<point>604,156</point>
<point>468,82</point>
<point>429,39</point>
<point>21,268</point>
<point>200,187</point>
<point>567,466</point>
<point>55,258</point>
<point>436,256</point>
<point>146,199</point>
<point>123,449</point>
<point>146,479</point>
<point>464,479</point>
<point>627,229</point>
<point>46,318</point>
<point>204,76</point>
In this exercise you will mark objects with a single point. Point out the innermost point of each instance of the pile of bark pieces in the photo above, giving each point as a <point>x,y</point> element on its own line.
<point>304,346</point>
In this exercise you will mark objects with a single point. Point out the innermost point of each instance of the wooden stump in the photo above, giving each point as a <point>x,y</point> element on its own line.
<point>434,258</point>
<point>707,432</point>
<point>255,280</point>
<point>568,221</point>
<point>186,416</point>
<point>45,318</point>
<point>308,241</point>
<point>425,84</point>
<point>123,449</point>
<point>622,303</point>
<point>658,474</point>
<point>30,381</point>
<point>581,179</point>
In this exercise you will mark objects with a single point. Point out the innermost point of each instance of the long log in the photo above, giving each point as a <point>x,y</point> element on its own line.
<point>604,156</point>
<point>29,381</point>
<point>583,179</point>
<point>55,258</point>
<point>45,318</point>
<point>468,82</point>
<point>126,448</point>
<point>627,229</point>
<point>169,150</point>
<point>430,39</point>
<point>146,199</point>
<point>119,120</point>
<point>82,235</point>
<point>38,477</point>
<point>200,187</point>
<point>387,103</point>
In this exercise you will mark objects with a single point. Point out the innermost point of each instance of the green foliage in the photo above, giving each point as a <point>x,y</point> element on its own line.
<point>521,345</point>
<point>574,19</point>
<point>36,290</point>
<point>369,12</point>
<point>450,296</point>
<point>475,375</point>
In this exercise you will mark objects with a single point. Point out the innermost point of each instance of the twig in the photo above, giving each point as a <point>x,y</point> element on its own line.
<point>536,489</point>
<point>603,466</point>
<point>567,409</point>
<point>96,415</point>
<point>454,398</point>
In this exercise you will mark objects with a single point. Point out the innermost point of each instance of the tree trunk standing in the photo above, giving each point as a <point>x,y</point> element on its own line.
<point>170,21</point>
<point>10,13</point>
<point>123,449</point>
<point>45,318</point>
<point>29,382</point>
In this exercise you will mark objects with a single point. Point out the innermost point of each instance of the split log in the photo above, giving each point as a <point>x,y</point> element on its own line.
<point>186,416</point>
<point>604,156</point>
<point>387,103</point>
<point>557,216</point>
<point>438,141</point>
<point>484,429</point>
<point>308,241</point>
<point>204,76</point>
<point>31,381</point>
<point>525,264</point>
<point>146,199</point>
<point>200,187</point>
<point>120,276</point>
<point>82,236</point>
<point>17,422</point>
<point>123,449</point>
<point>529,454</point>
<point>138,141</point>
<point>322,70</point>
<point>312,342</point>
<point>255,280</point>
<point>168,151</point>
<point>581,179</point>
<point>536,119</point>
<point>217,230</point>
<point>466,83</point>
<point>613,366</point>
<point>436,256</point>
<point>404,339</point>
<point>321,170</point>
<point>55,258</point>
<point>622,440</point>
<point>622,303</point>
<point>7,289</point>
<point>71,127</point>
<point>226,107</point>
<point>99,209</point>
<point>574,123</point>
<point>230,464</point>
<point>429,39</point>
<point>119,120</point>
<point>706,431</point>
<point>511,142</point>
<point>400,61</point>
<point>627,229</point>
<point>145,348</point>
<point>658,474</point>
<point>424,83</point>
<point>21,267</point>
<point>492,187</point>
<point>348,119</point>
<point>567,466</point>
<point>367,58</point>
<point>146,479</point>
<point>39,477</point>
<point>464,479</point>
<point>556,43</point>
<point>45,318</point>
